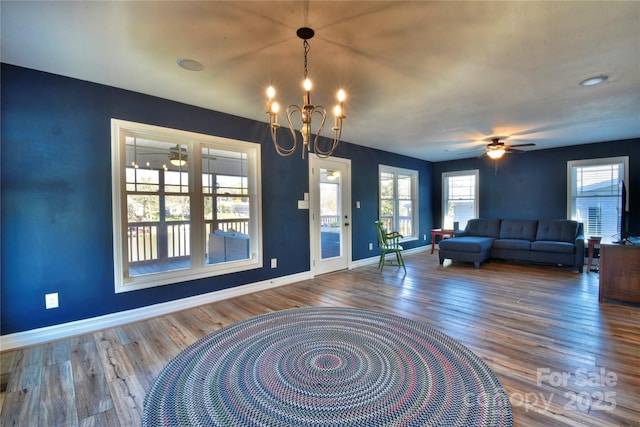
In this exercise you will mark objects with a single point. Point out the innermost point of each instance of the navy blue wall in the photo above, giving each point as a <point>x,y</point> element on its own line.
<point>56,197</point>
<point>533,185</point>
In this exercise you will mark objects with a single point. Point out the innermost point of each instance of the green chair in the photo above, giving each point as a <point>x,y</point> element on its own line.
<point>389,243</point>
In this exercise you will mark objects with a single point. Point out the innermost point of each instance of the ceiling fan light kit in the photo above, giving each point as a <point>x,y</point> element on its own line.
<point>496,149</point>
<point>496,154</point>
<point>306,113</point>
<point>178,156</point>
<point>177,161</point>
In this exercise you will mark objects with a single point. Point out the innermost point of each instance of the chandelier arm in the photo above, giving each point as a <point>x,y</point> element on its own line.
<point>279,148</point>
<point>324,154</point>
<point>291,110</point>
<point>336,140</point>
<point>316,145</point>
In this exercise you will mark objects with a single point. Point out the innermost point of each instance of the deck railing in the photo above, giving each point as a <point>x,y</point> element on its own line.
<point>406,228</point>
<point>153,241</point>
<point>329,220</point>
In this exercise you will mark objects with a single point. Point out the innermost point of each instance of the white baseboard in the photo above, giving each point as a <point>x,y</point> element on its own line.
<point>65,330</point>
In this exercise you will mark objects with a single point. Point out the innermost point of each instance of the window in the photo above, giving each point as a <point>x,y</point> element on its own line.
<point>459,198</point>
<point>186,205</point>
<point>399,200</point>
<point>595,192</point>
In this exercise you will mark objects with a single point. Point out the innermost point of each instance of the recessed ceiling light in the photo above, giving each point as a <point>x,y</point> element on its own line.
<point>592,81</point>
<point>190,64</point>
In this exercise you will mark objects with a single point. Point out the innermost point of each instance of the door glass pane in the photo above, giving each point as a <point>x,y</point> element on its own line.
<point>330,214</point>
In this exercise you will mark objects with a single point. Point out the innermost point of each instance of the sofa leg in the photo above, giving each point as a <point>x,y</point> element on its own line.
<point>476,264</point>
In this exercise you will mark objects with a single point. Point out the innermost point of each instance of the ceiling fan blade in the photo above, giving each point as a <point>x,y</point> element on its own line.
<point>530,144</point>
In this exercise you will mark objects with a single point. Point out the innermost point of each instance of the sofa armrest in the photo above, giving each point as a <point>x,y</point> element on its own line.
<point>579,242</point>
<point>580,245</point>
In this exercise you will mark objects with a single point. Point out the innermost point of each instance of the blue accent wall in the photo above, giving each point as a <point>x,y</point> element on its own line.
<point>56,197</point>
<point>533,185</point>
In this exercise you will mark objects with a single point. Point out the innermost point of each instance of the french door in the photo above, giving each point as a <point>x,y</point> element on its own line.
<point>329,213</point>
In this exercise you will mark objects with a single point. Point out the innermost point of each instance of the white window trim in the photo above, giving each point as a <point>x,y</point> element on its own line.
<point>446,175</point>
<point>198,268</point>
<point>593,162</point>
<point>415,178</point>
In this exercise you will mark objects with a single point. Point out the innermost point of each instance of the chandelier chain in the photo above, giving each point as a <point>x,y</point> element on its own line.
<point>307,47</point>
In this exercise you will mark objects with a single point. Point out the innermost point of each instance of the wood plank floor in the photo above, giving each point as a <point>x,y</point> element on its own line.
<point>563,358</point>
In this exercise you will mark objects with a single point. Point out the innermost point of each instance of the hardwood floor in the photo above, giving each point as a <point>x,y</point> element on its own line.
<point>562,357</point>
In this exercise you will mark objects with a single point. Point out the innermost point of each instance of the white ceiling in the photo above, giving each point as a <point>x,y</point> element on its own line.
<point>432,80</point>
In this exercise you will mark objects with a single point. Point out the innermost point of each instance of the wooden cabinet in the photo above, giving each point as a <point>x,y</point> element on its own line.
<point>620,272</point>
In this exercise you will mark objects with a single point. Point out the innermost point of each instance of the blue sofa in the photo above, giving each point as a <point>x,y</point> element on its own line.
<point>558,241</point>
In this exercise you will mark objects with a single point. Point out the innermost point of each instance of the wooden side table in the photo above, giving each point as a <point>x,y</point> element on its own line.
<point>592,243</point>
<point>620,273</point>
<point>435,232</point>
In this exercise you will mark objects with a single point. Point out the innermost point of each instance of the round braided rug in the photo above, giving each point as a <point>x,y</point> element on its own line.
<point>321,366</point>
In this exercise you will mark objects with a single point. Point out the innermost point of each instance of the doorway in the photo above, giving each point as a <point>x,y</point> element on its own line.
<point>329,213</point>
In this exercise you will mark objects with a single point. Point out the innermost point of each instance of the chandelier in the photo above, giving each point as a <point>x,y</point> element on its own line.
<point>306,113</point>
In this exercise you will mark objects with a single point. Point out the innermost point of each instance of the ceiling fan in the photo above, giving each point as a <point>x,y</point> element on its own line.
<point>176,155</point>
<point>496,148</point>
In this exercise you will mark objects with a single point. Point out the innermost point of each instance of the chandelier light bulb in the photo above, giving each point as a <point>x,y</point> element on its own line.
<point>337,111</point>
<point>271,92</point>
<point>341,95</point>
<point>275,107</point>
<point>307,85</point>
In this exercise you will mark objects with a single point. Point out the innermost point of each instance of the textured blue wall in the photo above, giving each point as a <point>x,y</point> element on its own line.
<point>533,185</point>
<point>56,197</point>
<point>364,188</point>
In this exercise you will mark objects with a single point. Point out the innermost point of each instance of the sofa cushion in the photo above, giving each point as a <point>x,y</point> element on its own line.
<point>483,227</point>
<point>557,230</point>
<point>515,244</point>
<point>520,229</point>
<point>475,244</point>
<point>549,246</point>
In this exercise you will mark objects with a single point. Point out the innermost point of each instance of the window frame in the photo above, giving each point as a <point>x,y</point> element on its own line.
<point>415,179</point>
<point>195,142</point>
<point>445,193</point>
<point>571,187</point>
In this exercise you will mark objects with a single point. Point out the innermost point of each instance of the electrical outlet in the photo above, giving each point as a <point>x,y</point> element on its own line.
<point>370,246</point>
<point>274,262</point>
<point>51,301</point>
